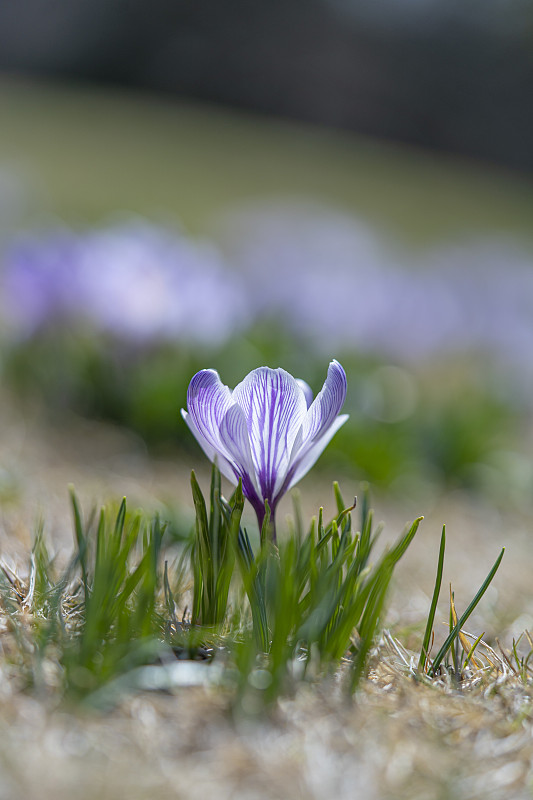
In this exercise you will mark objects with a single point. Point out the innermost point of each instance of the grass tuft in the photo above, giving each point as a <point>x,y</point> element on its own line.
<point>116,618</point>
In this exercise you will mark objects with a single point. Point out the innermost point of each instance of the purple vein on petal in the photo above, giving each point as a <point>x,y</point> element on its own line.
<point>208,399</point>
<point>326,405</point>
<point>307,457</point>
<point>274,408</point>
<point>213,454</point>
<point>234,436</point>
<point>306,389</point>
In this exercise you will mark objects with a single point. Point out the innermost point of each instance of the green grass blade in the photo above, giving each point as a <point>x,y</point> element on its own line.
<point>365,505</point>
<point>341,505</point>
<point>455,631</point>
<point>251,573</point>
<point>121,519</point>
<point>169,597</point>
<point>473,648</point>
<point>204,567</point>
<point>267,530</point>
<point>81,541</point>
<point>215,518</point>
<point>434,600</point>
<point>369,625</point>
<point>298,515</point>
<point>401,546</point>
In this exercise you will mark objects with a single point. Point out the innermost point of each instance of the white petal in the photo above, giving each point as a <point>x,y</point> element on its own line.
<point>235,438</point>
<point>207,402</point>
<point>326,405</point>
<point>274,408</point>
<point>306,389</point>
<point>223,464</point>
<point>306,458</point>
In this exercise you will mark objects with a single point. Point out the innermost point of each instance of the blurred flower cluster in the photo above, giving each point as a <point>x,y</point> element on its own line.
<point>341,284</point>
<point>323,275</point>
<point>134,280</point>
<point>112,322</point>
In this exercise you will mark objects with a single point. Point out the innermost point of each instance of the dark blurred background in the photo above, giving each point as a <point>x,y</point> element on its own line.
<point>445,74</point>
<point>192,183</point>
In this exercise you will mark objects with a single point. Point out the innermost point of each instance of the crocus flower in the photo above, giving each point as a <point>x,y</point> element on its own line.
<point>268,431</point>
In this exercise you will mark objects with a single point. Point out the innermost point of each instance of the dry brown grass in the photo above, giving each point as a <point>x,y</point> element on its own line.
<point>400,737</point>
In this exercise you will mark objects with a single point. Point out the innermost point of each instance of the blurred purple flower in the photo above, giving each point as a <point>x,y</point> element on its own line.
<point>492,281</point>
<point>38,281</point>
<point>143,282</point>
<point>268,431</point>
<point>327,275</point>
<point>138,281</point>
<point>385,301</point>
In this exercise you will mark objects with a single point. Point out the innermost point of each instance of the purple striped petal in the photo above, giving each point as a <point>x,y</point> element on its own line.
<point>326,405</point>
<point>306,389</point>
<point>208,401</point>
<point>306,458</point>
<point>235,438</point>
<point>223,464</point>
<point>274,408</point>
